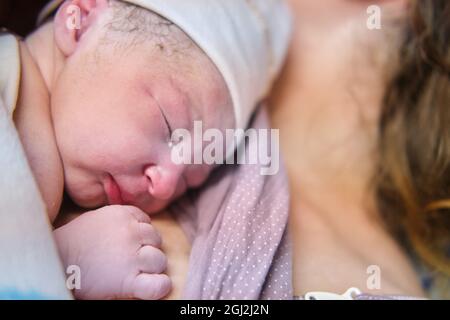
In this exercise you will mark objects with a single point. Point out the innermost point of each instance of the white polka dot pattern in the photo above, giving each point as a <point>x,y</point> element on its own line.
<point>238,226</point>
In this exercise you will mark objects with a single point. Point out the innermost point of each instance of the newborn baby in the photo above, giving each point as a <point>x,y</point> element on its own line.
<point>96,109</point>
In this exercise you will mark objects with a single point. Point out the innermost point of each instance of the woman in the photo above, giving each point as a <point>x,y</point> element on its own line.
<point>364,125</point>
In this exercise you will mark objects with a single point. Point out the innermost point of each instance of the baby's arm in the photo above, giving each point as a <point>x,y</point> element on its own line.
<point>117,251</point>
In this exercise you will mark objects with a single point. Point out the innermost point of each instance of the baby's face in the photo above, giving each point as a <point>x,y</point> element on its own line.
<point>113,114</point>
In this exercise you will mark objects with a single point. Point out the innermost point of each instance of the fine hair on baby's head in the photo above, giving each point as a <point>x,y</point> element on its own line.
<point>127,27</point>
<point>130,78</point>
<point>131,25</point>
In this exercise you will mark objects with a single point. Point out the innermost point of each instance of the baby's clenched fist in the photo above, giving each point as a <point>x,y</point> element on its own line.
<point>118,252</point>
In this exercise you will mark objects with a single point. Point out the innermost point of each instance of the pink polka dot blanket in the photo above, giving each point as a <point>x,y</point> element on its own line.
<point>237,225</point>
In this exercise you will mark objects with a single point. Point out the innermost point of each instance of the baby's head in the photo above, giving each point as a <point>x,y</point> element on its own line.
<point>130,77</point>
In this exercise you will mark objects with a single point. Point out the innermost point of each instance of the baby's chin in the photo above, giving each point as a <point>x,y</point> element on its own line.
<point>87,201</point>
<point>155,207</point>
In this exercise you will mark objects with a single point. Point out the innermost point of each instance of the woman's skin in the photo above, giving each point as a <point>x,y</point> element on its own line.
<point>326,105</point>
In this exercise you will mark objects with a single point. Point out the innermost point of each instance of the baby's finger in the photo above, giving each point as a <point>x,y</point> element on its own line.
<point>151,286</point>
<point>149,235</point>
<point>151,260</point>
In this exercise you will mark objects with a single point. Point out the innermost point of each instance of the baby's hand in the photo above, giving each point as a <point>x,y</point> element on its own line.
<point>117,250</point>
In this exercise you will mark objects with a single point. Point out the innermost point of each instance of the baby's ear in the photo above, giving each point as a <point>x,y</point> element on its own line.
<point>73,19</point>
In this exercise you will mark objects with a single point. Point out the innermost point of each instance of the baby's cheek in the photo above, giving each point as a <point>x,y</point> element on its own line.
<point>197,175</point>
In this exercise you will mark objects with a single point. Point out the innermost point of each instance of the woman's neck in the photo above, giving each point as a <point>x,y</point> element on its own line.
<point>327,105</point>
<point>32,116</point>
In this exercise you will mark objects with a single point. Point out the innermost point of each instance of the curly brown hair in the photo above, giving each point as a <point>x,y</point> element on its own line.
<point>413,180</point>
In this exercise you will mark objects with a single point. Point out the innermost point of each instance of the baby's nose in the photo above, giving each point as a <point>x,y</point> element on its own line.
<point>163,181</point>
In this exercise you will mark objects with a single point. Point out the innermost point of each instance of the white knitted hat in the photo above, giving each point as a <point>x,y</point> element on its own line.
<point>246,39</point>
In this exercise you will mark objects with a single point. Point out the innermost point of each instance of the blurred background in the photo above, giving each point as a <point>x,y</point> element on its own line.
<point>19,16</point>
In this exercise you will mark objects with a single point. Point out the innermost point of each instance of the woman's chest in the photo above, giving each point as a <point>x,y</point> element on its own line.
<point>334,255</point>
<point>177,249</point>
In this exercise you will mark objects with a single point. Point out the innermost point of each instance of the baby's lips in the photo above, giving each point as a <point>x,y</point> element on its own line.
<point>113,191</point>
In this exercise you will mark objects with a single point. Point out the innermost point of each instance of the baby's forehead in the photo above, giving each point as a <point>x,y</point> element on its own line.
<point>157,40</point>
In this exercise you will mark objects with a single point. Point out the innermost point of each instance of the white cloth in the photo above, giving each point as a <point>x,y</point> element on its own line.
<point>9,71</point>
<point>29,261</point>
<point>246,39</point>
